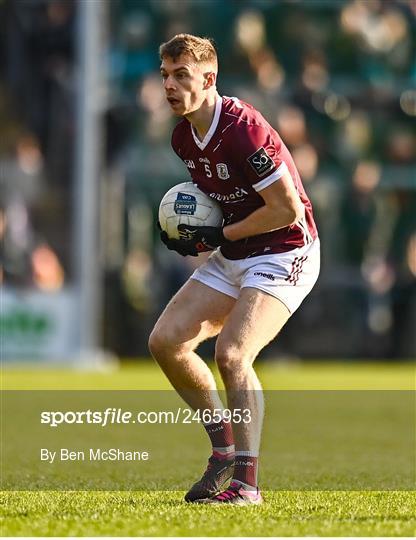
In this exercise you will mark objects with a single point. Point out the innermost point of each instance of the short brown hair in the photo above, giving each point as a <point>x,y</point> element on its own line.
<point>202,50</point>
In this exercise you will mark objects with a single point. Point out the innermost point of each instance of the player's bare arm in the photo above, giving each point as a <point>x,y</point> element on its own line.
<point>282,208</point>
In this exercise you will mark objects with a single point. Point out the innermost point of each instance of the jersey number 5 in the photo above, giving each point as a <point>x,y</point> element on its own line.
<point>208,171</point>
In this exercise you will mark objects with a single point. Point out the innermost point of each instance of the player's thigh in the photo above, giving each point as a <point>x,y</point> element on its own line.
<point>195,313</point>
<point>256,318</point>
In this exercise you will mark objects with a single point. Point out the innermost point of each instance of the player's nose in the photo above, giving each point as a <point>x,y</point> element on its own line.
<point>169,83</point>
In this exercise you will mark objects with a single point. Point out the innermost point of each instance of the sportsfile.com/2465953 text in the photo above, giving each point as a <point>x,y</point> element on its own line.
<point>113,415</point>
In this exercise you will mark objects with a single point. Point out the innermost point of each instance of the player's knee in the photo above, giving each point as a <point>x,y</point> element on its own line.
<point>159,342</point>
<point>163,340</point>
<point>154,343</point>
<point>230,360</point>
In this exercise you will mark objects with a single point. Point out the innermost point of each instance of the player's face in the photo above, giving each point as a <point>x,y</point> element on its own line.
<point>185,84</point>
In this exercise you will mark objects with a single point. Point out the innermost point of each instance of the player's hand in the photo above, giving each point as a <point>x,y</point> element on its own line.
<point>181,247</point>
<point>203,238</point>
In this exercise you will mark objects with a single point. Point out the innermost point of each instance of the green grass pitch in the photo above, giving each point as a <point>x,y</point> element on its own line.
<point>285,513</point>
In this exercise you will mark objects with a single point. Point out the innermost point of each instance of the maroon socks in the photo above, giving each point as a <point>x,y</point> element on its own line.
<point>246,464</point>
<point>221,436</point>
<point>245,469</point>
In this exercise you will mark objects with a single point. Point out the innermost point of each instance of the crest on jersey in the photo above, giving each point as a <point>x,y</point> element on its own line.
<point>222,171</point>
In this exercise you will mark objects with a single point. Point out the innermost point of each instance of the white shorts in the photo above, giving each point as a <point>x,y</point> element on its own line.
<point>287,276</point>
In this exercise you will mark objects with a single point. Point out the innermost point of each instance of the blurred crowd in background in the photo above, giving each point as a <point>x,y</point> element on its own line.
<point>337,80</point>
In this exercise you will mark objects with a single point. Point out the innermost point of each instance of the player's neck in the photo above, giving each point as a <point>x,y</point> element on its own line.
<point>201,119</point>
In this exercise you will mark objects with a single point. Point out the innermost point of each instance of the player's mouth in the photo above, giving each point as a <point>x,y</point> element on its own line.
<point>173,101</point>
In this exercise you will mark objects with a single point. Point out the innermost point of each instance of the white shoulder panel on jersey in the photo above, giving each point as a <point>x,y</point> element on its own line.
<point>266,182</point>
<point>236,101</point>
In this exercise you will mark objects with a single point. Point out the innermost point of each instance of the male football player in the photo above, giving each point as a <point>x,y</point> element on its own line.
<point>265,261</point>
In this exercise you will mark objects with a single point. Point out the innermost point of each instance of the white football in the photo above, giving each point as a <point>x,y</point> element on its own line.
<point>185,203</point>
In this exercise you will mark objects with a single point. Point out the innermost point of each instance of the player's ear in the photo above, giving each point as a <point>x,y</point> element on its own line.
<point>210,79</point>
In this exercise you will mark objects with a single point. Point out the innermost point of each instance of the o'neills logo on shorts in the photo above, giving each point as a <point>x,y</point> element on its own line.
<point>263,274</point>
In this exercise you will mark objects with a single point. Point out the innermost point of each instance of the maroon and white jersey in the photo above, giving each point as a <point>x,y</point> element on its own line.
<point>240,155</point>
